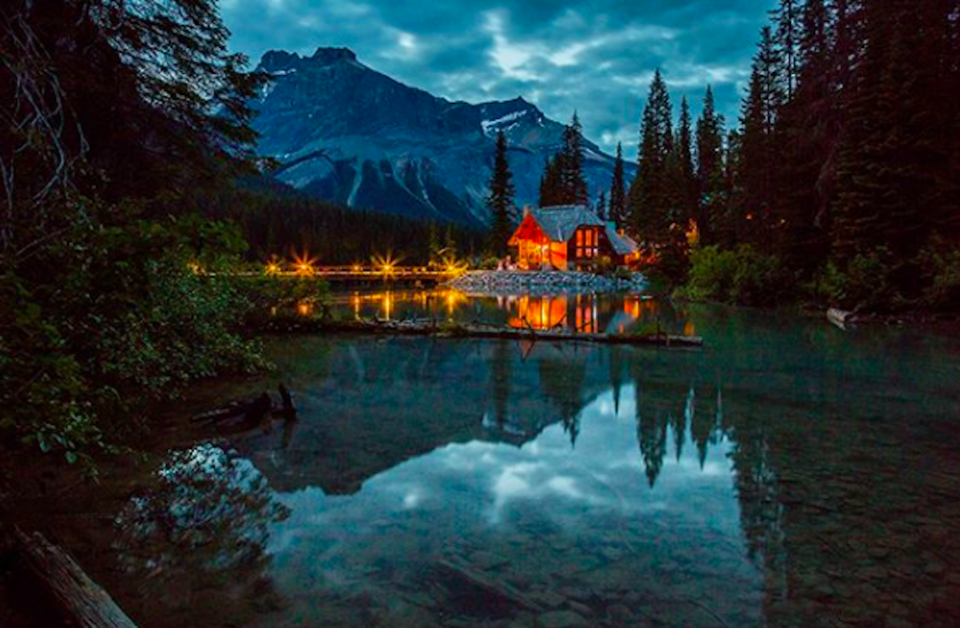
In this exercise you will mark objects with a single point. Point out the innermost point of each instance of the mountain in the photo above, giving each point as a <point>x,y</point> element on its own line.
<point>344,132</point>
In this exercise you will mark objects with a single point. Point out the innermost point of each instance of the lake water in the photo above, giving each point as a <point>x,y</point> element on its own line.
<point>789,474</point>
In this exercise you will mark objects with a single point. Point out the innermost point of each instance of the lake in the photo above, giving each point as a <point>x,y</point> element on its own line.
<point>789,474</point>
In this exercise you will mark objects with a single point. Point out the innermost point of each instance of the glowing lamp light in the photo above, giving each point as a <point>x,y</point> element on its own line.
<point>385,264</point>
<point>304,265</point>
<point>451,266</point>
<point>272,269</point>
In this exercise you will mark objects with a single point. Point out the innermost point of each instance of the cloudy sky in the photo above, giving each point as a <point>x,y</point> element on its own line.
<point>595,56</point>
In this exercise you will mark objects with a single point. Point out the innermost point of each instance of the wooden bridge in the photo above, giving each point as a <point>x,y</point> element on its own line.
<point>370,274</point>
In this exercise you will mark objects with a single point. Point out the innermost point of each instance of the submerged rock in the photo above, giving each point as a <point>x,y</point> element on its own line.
<point>561,619</point>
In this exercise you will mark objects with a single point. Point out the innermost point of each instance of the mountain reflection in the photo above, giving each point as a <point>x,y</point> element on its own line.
<point>499,482</point>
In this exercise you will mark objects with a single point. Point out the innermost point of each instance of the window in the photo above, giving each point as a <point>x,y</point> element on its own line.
<point>587,243</point>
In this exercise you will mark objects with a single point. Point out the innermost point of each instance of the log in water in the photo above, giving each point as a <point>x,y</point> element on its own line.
<point>426,327</point>
<point>82,601</point>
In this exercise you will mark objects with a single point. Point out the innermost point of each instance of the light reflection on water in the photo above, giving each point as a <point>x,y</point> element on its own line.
<point>789,475</point>
<point>581,312</point>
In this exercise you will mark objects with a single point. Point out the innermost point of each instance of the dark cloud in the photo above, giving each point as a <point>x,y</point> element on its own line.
<point>596,57</point>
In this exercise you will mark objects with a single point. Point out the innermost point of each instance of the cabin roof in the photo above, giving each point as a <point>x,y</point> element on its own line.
<point>560,223</point>
<point>622,243</point>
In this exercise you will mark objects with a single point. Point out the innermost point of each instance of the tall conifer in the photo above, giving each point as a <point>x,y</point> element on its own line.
<point>500,198</point>
<point>618,194</point>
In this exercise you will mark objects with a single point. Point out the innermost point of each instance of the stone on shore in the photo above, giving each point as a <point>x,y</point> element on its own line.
<point>544,282</point>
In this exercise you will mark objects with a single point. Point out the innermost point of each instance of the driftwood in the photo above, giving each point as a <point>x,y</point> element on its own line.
<point>426,328</point>
<point>82,601</point>
<point>492,587</point>
<point>253,411</point>
<point>288,409</point>
<point>841,318</point>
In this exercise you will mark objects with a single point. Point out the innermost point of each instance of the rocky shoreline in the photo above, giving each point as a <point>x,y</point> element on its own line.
<point>544,282</point>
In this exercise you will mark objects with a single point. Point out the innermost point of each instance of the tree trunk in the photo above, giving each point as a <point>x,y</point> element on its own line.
<point>82,601</point>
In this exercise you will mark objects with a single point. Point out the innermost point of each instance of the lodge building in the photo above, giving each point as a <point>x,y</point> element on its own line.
<point>569,237</point>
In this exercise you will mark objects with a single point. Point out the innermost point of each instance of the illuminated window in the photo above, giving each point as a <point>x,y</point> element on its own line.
<point>587,243</point>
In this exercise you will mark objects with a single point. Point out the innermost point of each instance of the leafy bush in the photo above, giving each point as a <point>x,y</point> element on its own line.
<point>940,262</point>
<point>743,276</point>
<point>711,274</point>
<point>117,312</point>
<point>866,283</point>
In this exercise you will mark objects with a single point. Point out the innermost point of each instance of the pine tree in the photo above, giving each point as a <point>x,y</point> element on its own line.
<point>729,227</point>
<point>887,181</point>
<point>618,196</point>
<point>500,198</point>
<point>563,182</point>
<point>710,179</point>
<point>787,18</point>
<point>759,167</point>
<point>551,183</point>
<point>649,194</point>
<point>602,206</point>
<point>685,174</point>
<point>806,132</point>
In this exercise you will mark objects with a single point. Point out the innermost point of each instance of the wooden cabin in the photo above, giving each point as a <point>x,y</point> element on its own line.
<point>569,237</point>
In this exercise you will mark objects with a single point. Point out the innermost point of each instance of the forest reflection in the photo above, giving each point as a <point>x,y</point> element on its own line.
<point>731,476</point>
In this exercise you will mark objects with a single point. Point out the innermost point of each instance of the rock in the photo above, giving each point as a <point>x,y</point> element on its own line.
<point>561,619</point>
<point>544,282</point>
<point>619,614</point>
<point>577,607</point>
<point>549,598</point>
<point>487,560</point>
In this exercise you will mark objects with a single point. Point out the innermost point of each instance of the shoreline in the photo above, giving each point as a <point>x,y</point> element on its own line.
<point>511,282</point>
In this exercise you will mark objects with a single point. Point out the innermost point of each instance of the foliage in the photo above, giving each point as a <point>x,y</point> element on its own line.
<point>847,162</point>
<point>742,275</point>
<point>121,311</point>
<point>941,267</point>
<point>290,223</point>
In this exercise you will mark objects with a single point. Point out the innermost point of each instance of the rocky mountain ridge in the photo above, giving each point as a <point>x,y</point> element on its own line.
<point>345,132</point>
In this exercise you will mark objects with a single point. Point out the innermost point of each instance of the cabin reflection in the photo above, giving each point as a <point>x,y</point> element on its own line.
<point>581,313</point>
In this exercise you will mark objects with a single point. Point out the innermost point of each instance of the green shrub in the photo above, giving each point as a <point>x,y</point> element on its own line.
<point>940,263</point>
<point>743,276</point>
<point>116,312</point>
<point>711,274</point>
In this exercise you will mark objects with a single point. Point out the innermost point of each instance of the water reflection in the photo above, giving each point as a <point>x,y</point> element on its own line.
<point>205,519</point>
<point>787,476</point>
<point>585,313</point>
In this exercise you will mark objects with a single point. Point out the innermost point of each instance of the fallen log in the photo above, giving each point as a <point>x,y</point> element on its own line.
<point>288,409</point>
<point>252,411</point>
<point>81,601</point>
<point>417,328</point>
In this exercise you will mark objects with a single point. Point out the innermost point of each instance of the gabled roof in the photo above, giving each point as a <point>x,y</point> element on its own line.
<point>561,222</point>
<point>622,243</point>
